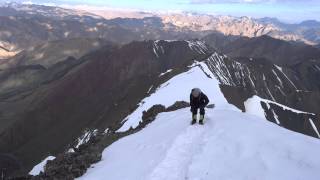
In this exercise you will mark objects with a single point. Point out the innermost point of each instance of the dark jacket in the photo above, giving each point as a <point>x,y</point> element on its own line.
<point>199,102</point>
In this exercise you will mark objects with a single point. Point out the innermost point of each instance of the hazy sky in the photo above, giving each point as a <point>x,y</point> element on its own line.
<point>286,10</point>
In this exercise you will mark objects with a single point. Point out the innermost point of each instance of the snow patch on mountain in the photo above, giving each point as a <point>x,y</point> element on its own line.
<point>157,48</point>
<point>40,167</point>
<point>168,71</point>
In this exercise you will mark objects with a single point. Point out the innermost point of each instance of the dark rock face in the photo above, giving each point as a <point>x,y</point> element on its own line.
<point>178,105</point>
<point>97,93</point>
<point>298,122</point>
<point>235,95</point>
<point>152,112</point>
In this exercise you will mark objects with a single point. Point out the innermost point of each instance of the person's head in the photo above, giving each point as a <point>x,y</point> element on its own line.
<point>196,92</point>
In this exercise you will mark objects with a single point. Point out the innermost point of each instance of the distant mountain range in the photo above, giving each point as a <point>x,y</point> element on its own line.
<point>36,24</point>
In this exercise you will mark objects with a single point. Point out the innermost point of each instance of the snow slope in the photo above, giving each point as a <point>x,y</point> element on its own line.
<point>231,145</point>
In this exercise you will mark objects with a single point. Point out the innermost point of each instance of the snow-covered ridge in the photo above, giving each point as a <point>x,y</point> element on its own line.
<point>178,88</point>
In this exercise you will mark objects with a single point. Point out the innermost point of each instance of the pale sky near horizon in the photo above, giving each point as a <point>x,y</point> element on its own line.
<point>286,10</point>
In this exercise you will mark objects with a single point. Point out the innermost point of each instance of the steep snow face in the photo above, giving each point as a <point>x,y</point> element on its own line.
<point>40,167</point>
<point>253,106</point>
<point>178,89</point>
<point>231,145</point>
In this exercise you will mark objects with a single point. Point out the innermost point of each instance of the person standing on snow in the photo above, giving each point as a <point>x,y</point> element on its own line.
<point>198,100</point>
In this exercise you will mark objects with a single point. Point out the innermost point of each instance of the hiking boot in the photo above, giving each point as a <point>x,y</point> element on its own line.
<point>201,119</point>
<point>194,119</point>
